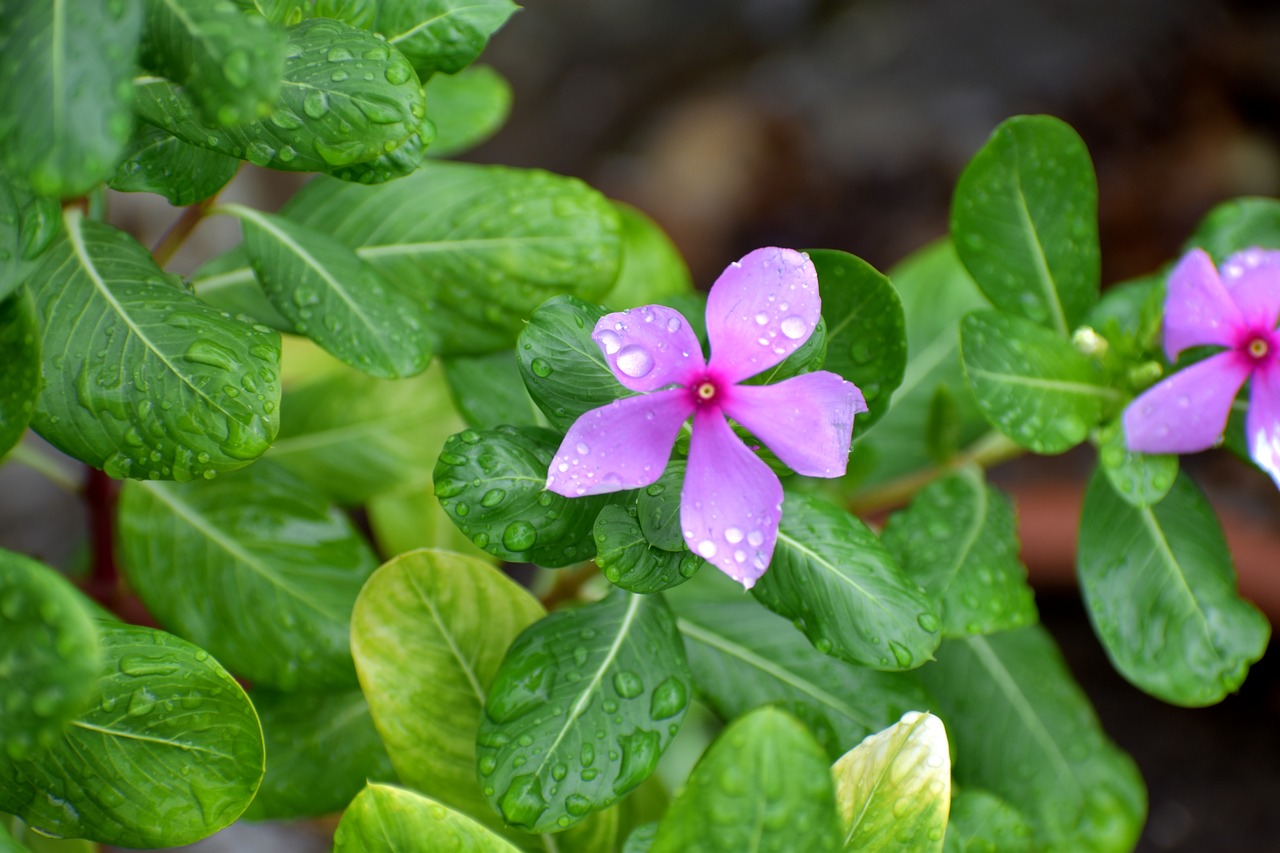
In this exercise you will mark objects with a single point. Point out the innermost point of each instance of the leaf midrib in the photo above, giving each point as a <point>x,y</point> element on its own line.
<point>831,569</point>
<point>880,777</point>
<point>1044,276</point>
<point>1083,389</point>
<point>81,724</point>
<point>480,693</point>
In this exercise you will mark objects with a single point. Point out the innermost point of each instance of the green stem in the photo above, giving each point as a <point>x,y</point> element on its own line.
<point>180,230</point>
<point>58,473</point>
<point>989,450</point>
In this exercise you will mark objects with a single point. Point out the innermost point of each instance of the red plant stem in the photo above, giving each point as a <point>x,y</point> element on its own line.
<point>100,494</point>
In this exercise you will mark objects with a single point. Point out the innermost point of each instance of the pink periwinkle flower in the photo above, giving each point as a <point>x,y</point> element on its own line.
<point>1238,310</point>
<point>760,310</point>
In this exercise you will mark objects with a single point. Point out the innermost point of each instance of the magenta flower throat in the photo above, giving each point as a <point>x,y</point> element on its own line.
<point>759,311</point>
<point>1238,310</point>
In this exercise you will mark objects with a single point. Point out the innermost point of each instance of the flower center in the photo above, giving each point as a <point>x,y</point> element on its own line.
<point>705,391</point>
<point>1258,348</point>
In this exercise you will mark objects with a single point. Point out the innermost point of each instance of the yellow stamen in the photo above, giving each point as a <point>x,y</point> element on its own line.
<point>706,391</point>
<point>1257,348</point>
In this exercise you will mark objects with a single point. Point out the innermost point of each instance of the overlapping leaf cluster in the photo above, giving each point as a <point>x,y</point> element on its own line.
<point>410,337</point>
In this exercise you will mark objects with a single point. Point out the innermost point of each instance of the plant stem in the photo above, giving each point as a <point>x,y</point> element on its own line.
<point>100,494</point>
<point>62,476</point>
<point>568,584</point>
<point>989,450</point>
<point>180,230</point>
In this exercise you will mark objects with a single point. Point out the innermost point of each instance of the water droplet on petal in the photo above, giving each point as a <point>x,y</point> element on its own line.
<point>755,538</point>
<point>674,324</point>
<point>612,343</point>
<point>635,361</point>
<point>794,327</point>
<point>707,549</point>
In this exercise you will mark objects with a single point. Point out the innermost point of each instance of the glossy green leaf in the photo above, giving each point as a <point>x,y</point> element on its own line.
<point>866,336</point>
<point>346,98</point>
<point>466,108</point>
<point>1021,728</point>
<point>227,282</point>
<point>230,63</point>
<point>563,369</point>
<point>7,842</point>
<point>942,427</point>
<point>1236,225</point>
<point>407,521</point>
<point>255,567</point>
<point>158,162</point>
<point>386,819</point>
<point>285,12</point>
<point>658,508</point>
<point>893,790</point>
<point>810,356</point>
<point>582,708</point>
<point>743,656</point>
<point>493,485</point>
<point>763,786</point>
<point>522,236</point>
<point>321,749</point>
<point>959,540</point>
<point>834,579</point>
<point>330,295</point>
<point>641,839</point>
<point>1032,385</point>
<point>64,90</point>
<point>981,822</point>
<point>29,841</point>
<point>488,392</point>
<point>355,437</point>
<point>401,161</point>
<point>1141,479</point>
<point>173,735</point>
<point>142,379</point>
<point>453,617</point>
<point>20,355</point>
<point>357,13</point>
<point>936,292</point>
<point>441,35</point>
<point>1024,219</point>
<point>629,561</point>
<point>652,268</point>
<point>1161,592</point>
<point>28,224</point>
<point>49,655</point>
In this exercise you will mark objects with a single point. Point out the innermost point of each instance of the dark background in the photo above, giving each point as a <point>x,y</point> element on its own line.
<point>807,123</point>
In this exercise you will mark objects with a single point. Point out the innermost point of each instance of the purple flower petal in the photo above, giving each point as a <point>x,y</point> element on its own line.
<point>731,502</point>
<point>1252,277</point>
<point>1198,309</point>
<point>807,420</point>
<point>648,347</point>
<point>1188,411</point>
<point>760,310</point>
<point>623,445</point>
<point>1262,424</point>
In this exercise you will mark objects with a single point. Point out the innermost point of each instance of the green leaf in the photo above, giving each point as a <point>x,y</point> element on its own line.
<point>20,355</point>
<point>7,843</point>
<point>1025,222</point>
<point>1237,225</point>
<point>453,617</point>
<point>521,235</point>
<point>743,656</point>
<point>1161,592</point>
<point>50,656</point>
<point>652,268</point>
<point>29,841</point>
<point>346,98</point>
<point>959,540</point>
<point>357,13</point>
<point>28,224</point>
<point>1032,385</point>
<point>493,485</point>
<point>831,575</point>
<point>810,356</point>
<point>173,735</point>
<point>64,90</point>
<point>441,35</point>
<point>763,786</point>
<point>333,297</point>
<point>866,337</point>
<point>1021,728</point>
<point>355,437</point>
<point>1141,479</point>
<point>406,521</point>
<point>466,108</point>
<point>983,823</point>
<point>285,12</point>
<point>629,561</point>
<point>583,706</point>
<point>658,508</point>
<point>936,292</point>
<point>943,426</point>
<point>488,392</point>
<point>404,160</point>
<point>384,818</point>
<point>231,63</point>
<point>158,162</point>
<point>322,748</point>
<point>142,379</point>
<point>563,369</point>
<point>210,558</point>
<point>227,282</point>
<point>893,790</point>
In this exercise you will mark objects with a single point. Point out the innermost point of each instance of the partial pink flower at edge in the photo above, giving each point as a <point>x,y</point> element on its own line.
<point>759,311</point>
<point>1237,310</point>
